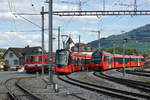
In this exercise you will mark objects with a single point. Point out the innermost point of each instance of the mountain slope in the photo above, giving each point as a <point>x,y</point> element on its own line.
<point>138,38</point>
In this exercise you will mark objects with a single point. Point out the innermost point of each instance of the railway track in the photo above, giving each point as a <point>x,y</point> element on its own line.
<point>17,92</point>
<point>139,73</point>
<point>105,90</point>
<point>143,71</point>
<point>142,86</point>
<point>74,95</point>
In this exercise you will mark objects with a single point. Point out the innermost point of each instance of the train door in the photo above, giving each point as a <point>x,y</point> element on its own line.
<point>106,62</point>
<point>73,63</point>
<point>113,62</point>
<point>82,64</point>
<point>109,62</point>
<point>138,61</point>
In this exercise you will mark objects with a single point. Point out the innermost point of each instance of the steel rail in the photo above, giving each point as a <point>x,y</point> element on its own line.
<point>12,96</point>
<point>114,90</point>
<point>29,93</point>
<point>137,73</point>
<point>95,88</point>
<point>133,84</point>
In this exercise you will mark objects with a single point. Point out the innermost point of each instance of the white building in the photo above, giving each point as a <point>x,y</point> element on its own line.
<point>84,48</point>
<point>15,56</point>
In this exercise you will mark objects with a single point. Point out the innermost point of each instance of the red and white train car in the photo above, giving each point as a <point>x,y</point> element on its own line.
<point>33,63</point>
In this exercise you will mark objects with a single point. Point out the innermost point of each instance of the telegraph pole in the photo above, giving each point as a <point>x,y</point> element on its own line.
<point>124,46</point>
<point>103,5</point>
<point>42,13</point>
<point>50,41</point>
<point>135,5</point>
<point>79,45</point>
<point>99,44</point>
<point>98,39</point>
<point>59,38</point>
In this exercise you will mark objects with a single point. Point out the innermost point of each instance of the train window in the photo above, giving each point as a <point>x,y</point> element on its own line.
<point>88,61</point>
<point>127,60</point>
<point>31,58</point>
<point>110,60</point>
<point>73,61</point>
<point>46,59</point>
<point>69,60</point>
<point>80,59</point>
<point>76,62</point>
<point>119,60</point>
<point>35,58</point>
<point>27,58</point>
<point>136,60</point>
<point>83,61</point>
<point>62,58</point>
<point>40,58</point>
<point>142,59</point>
<point>106,58</point>
<point>132,59</point>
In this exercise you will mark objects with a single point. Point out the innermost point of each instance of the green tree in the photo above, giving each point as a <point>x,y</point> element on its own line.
<point>1,55</point>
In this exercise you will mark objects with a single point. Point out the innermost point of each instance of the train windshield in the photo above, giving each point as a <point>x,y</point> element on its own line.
<point>27,59</point>
<point>62,58</point>
<point>97,57</point>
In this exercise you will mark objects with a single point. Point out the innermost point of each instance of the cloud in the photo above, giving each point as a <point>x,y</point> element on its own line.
<point>70,25</point>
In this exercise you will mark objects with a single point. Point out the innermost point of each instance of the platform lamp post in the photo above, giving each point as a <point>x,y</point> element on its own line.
<point>124,46</point>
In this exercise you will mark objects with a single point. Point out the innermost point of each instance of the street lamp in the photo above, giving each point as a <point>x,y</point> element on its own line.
<point>124,46</point>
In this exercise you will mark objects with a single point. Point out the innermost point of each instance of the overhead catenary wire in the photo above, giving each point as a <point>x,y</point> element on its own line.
<point>30,21</point>
<point>11,7</point>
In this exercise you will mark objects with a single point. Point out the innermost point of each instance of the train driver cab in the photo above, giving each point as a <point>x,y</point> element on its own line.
<point>62,57</point>
<point>97,57</point>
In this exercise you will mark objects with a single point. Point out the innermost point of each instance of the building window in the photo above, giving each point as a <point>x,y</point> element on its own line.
<point>6,62</point>
<point>11,55</point>
<point>16,62</point>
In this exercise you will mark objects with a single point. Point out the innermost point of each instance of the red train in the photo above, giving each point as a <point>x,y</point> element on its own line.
<point>33,63</point>
<point>68,62</point>
<point>104,60</point>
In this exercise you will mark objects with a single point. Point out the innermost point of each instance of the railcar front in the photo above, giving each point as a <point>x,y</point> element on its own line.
<point>63,64</point>
<point>97,59</point>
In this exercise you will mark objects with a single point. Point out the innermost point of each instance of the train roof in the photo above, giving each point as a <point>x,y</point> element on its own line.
<point>120,56</point>
<point>80,55</point>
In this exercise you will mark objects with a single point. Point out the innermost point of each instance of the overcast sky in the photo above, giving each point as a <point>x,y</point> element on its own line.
<point>17,32</point>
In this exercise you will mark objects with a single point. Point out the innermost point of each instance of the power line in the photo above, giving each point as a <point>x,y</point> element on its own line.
<point>30,21</point>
